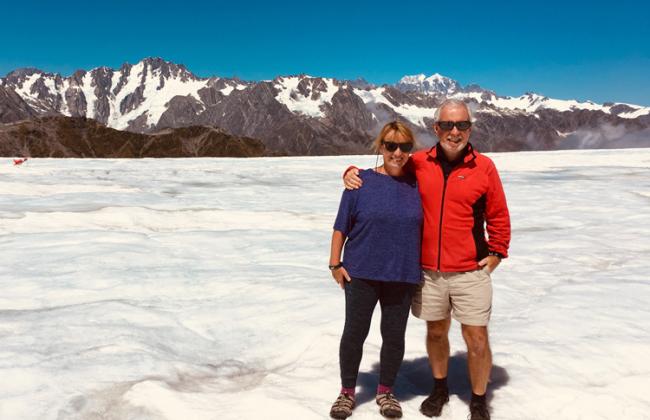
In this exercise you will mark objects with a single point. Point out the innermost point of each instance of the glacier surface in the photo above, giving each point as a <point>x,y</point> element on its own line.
<point>198,289</point>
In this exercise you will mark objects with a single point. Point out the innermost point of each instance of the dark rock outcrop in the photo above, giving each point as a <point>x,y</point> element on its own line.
<point>81,137</point>
<point>13,108</point>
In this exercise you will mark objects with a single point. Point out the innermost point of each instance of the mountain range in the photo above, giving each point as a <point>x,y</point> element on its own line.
<point>305,115</point>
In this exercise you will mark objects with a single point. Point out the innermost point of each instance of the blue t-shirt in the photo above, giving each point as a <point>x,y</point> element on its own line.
<point>383,224</point>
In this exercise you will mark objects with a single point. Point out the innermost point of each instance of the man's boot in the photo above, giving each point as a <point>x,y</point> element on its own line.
<point>432,405</point>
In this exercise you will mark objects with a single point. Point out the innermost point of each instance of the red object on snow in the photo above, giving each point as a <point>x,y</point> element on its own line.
<point>20,161</point>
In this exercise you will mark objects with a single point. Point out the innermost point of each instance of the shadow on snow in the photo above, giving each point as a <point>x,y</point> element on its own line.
<point>415,380</point>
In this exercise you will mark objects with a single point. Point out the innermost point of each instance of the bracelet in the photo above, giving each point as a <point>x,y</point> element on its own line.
<point>336,266</point>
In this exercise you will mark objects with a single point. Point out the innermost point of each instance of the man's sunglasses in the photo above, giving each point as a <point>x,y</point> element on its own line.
<point>391,146</point>
<point>449,125</point>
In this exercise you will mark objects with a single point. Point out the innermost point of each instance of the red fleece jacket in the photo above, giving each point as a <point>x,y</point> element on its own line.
<point>456,210</point>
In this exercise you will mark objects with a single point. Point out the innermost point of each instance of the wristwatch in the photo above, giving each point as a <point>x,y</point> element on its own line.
<point>336,266</point>
<point>495,254</point>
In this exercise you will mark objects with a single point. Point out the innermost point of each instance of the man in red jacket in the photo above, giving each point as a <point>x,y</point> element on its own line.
<point>461,195</point>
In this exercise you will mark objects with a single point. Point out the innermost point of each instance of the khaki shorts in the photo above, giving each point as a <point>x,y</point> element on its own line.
<point>467,296</point>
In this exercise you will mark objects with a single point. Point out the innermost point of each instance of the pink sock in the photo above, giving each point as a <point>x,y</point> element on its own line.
<point>348,391</point>
<point>383,389</point>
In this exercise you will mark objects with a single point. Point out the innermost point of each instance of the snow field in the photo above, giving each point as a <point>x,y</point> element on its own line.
<point>198,288</point>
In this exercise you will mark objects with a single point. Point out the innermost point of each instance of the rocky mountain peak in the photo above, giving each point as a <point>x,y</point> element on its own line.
<point>434,84</point>
<point>18,76</point>
<point>166,69</point>
<point>474,88</point>
<point>361,83</point>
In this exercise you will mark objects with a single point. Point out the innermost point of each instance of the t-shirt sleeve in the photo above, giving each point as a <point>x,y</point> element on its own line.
<point>345,217</point>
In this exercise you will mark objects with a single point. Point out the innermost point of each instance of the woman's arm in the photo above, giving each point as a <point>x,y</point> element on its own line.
<point>339,274</point>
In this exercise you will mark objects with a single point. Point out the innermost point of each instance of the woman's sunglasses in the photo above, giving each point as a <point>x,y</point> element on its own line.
<point>391,146</point>
<point>449,125</point>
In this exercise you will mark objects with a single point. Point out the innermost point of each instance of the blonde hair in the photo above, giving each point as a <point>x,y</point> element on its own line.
<point>394,126</point>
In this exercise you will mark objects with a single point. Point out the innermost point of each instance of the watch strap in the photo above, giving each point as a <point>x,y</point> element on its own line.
<point>336,266</point>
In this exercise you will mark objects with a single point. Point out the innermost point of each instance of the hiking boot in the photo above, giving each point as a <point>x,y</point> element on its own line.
<point>342,407</point>
<point>478,411</point>
<point>389,406</point>
<point>432,405</point>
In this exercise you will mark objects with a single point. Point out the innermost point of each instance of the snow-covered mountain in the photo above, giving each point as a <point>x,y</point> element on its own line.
<point>529,102</point>
<point>302,114</point>
<point>532,102</point>
<point>436,84</point>
<point>133,97</point>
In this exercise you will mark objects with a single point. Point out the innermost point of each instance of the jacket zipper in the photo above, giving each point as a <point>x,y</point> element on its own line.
<point>442,210</point>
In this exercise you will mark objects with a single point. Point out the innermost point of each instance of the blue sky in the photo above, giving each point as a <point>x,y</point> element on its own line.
<point>569,50</point>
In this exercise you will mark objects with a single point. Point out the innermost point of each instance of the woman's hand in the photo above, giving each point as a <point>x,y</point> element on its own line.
<point>341,276</point>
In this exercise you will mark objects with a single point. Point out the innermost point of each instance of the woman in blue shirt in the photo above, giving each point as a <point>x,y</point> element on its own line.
<point>380,225</point>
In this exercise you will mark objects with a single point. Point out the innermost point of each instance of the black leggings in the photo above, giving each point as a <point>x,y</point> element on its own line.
<point>361,297</point>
